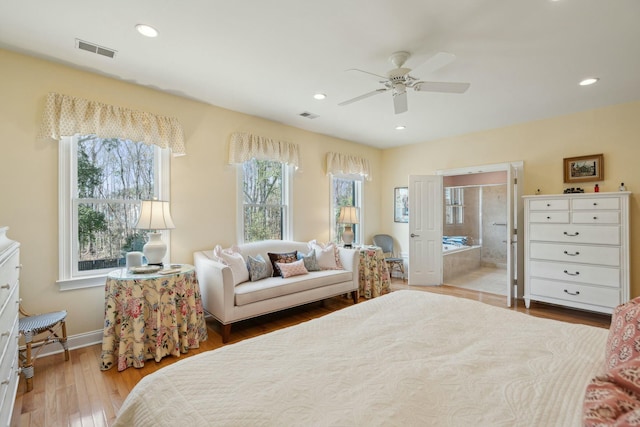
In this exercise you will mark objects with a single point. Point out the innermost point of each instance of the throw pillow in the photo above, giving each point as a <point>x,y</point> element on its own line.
<point>282,258</point>
<point>327,255</point>
<point>258,268</point>
<point>614,398</point>
<point>310,262</point>
<point>623,343</point>
<point>296,268</point>
<point>234,260</point>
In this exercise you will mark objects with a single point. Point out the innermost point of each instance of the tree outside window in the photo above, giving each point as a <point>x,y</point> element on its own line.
<point>113,175</point>
<point>264,194</point>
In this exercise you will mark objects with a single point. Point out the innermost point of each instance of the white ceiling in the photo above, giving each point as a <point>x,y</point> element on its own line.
<point>523,58</point>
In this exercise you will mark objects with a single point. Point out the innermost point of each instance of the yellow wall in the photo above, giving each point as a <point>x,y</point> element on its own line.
<point>542,145</point>
<point>203,192</point>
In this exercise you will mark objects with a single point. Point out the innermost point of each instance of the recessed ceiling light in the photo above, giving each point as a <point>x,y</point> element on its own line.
<point>589,81</point>
<point>401,127</point>
<point>319,96</point>
<point>147,30</point>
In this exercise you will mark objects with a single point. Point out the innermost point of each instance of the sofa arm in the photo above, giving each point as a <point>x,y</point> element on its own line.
<point>350,259</point>
<point>216,285</point>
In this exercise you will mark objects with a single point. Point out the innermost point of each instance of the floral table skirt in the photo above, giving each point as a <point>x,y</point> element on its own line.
<point>374,273</point>
<point>150,316</point>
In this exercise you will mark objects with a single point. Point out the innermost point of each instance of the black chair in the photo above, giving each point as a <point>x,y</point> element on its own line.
<point>385,242</point>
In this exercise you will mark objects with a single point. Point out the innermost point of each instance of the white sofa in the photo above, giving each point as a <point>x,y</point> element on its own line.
<point>230,303</point>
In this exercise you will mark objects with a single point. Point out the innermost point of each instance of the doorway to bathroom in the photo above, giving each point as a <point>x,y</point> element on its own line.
<point>481,213</point>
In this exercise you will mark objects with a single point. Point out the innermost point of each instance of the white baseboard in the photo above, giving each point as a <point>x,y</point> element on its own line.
<point>73,342</point>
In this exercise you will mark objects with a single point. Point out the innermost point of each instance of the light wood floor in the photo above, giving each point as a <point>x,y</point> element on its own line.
<point>77,393</point>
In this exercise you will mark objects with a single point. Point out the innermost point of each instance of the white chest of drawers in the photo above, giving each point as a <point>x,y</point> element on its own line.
<point>577,250</point>
<point>9,301</point>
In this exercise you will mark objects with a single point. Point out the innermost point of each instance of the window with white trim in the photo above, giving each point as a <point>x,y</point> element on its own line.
<point>345,191</point>
<point>265,201</point>
<point>101,183</point>
<point>454,205</point>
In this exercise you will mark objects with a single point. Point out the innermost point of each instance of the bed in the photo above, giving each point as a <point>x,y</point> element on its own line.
<point>407,358</point>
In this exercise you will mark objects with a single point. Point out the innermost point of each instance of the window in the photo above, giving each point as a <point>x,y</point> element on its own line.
<point>101,184</point>
<point>265,210</point>
<point>345,191</point>
<point>454,205</point>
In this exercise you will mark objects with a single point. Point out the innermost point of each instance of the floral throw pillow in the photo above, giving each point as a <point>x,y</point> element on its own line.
<point>614,398</point>
<point>258,268</point>
<point>282,258</point>
<point>310,262</point>
<point>623,343</point>
<point>292,268</point>
<point>235,261</point>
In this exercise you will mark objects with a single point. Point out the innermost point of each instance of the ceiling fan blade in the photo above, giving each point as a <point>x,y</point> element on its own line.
<point>445,87</point>
<point>366,95</point>
<point>400,102</point>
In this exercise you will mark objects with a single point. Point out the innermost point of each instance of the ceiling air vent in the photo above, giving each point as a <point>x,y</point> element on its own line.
<point>91,47</point>
<point>308,115</point>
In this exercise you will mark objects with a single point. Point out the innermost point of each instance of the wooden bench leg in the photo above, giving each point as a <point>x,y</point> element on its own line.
<point>226,333</point>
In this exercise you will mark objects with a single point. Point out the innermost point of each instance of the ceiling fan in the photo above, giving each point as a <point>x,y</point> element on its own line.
<point>398,80</point>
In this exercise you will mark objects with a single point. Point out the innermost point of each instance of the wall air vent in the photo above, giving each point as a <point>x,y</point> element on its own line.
<point>91,47</point>
<point>309,115</point>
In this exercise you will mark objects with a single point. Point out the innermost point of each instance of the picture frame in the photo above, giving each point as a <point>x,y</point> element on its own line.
<point>584,168</point>
<point>401,204</point>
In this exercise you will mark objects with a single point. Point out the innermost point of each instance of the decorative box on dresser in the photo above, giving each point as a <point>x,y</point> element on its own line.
<point>9,302</point>
<point>577,250</point>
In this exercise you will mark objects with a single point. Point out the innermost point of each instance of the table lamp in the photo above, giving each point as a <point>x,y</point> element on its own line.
<point>348,216</point>
<point>154,215</point>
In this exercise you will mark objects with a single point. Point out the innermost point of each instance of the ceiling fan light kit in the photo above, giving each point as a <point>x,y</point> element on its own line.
<point>399,79</point>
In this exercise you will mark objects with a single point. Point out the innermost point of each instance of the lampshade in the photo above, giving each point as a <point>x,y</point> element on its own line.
<point>154,215</point>
<point>348,215</point>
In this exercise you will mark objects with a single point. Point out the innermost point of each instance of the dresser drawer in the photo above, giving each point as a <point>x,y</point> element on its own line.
<point>601,255</point>
<point>595,203</point>
<point>8,386</point>
<point>8,319</point>
<point>549,217</point>
<point>577,273</point>
<point>549,204</point>
<point>576,293</point>
<point>8,276</point>
<point>595,217</point>
<point>604,234</point>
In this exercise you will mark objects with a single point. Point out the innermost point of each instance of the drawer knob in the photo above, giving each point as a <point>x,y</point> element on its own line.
<point>577,273</point>
<point>595,217</point>
<point>548,217</point>
<point>573,254</point>
<point>595,204</point>
<point>571,235</point>
<point>572,293</point>
<point>548,204</point>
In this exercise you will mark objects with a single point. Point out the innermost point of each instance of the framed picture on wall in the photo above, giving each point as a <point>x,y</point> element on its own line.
<point>584,168</point>
<point>401,204</point>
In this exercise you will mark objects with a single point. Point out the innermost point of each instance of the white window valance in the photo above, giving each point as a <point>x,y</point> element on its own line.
<point>344,164</point>
<point>245,146</point>
<point>66,116</point>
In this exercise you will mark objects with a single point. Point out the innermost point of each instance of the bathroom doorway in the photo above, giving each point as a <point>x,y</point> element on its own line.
<point>480,245</point>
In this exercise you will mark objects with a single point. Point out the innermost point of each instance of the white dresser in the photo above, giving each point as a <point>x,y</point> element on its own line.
<point>9,302</point>
<point>577,250</point>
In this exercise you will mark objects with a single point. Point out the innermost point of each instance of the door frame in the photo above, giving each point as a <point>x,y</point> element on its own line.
<point>516,235</point>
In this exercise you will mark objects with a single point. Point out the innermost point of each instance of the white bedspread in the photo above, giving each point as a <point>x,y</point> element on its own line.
<point>409,358</point>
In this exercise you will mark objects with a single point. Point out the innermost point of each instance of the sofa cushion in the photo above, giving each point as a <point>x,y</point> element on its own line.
<point>623,343</point>
<point>292,268</point>
<point>282,258</point>
<point>273,287</point>
<point>327,255</point>
<point>258,268</point>
<point>235,261</point>
<point>310,262</point>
